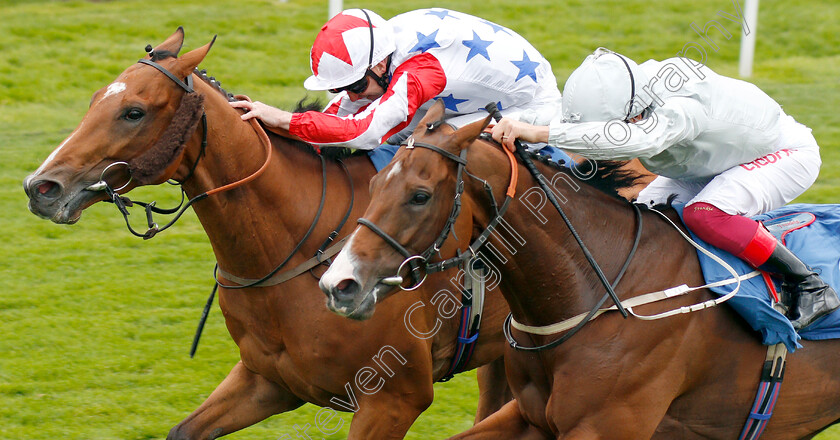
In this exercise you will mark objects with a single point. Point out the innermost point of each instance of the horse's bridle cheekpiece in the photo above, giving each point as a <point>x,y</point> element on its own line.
<point>414,261</point>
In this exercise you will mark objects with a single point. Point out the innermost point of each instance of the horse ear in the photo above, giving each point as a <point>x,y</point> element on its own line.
<point>470,132</point>
<point>173,43</point>
<point>191,59</point>
<point>434,114</point>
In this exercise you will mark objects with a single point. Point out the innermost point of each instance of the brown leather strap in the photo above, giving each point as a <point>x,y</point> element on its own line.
<point>289,274</point>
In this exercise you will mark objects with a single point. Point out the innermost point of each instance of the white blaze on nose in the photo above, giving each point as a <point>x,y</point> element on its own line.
<point>114,89</point>
<point>55,152</point>
<point>342,268</point>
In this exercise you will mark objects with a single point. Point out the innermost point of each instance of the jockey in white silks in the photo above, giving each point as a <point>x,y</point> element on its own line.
<point>721,145</point>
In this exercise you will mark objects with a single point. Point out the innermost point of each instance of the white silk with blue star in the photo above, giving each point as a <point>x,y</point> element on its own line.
<point>483,61</point>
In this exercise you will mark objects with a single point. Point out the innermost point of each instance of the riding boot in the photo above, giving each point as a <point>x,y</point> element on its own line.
<point>806,296</point>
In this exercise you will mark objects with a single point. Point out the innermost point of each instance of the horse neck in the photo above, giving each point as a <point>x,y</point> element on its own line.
<point>544,273</point>
<point>256,225</point>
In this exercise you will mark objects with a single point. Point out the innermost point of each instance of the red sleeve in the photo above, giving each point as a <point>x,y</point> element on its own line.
<point>413,83</point>
<point>332,109</point>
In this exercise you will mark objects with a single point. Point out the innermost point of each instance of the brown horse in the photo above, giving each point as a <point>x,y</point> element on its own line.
<point>292,350</point>
<point>690,376</point>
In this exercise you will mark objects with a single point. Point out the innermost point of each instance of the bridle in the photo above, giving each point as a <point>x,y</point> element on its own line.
<point>274,277</point>
<point>122,202</point>
<point>420,262</point>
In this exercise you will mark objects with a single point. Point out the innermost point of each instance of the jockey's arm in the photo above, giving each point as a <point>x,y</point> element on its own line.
<point>678,120</point>
<point>414,82</point>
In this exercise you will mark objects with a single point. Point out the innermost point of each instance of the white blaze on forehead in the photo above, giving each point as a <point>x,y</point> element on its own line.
<point>394,171</point>
<point>114,89</point>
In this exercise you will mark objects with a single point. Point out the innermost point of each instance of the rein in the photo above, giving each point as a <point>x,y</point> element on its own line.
<point>416,262</point>
<point>529,164</point>
<point>577,323</point>
<point>122,202</point>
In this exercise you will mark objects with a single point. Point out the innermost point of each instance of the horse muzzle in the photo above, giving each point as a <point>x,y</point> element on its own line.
<point>50,199</point>
<point>346,298</point>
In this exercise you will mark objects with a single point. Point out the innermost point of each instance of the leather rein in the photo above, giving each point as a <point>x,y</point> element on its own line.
<point>420,262</point>
<point>272,278</point>
<point>417,262</point>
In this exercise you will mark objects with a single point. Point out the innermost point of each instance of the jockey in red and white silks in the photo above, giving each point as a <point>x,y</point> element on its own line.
<point>721,145</point>
<point>387,73</point>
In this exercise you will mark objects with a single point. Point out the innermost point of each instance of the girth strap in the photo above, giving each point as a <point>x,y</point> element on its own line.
<point>772,374</point>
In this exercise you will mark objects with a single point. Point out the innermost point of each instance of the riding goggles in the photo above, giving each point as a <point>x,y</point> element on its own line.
<point>357,87</point>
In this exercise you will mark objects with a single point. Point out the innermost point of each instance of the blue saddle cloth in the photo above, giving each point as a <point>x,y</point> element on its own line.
<point>382,155</point>
<point>817,243</point>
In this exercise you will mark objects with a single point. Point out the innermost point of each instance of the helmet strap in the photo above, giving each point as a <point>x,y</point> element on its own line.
<point>385,79</point>
<point>632,86</point>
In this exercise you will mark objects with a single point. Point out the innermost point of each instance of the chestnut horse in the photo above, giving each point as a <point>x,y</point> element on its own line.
<point>292,350</point>
<point>688,376</point>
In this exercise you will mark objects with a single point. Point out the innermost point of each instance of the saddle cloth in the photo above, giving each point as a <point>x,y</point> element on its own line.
<point>812,232</point>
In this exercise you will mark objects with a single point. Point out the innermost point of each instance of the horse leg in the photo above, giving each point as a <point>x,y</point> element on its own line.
<point>389,415</point>
<point>493,389</point>
<point>507,422</point>
<point>241,400</point>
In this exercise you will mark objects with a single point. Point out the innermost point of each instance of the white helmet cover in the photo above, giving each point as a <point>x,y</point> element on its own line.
<point>606,86</point>
<point>348,45</point>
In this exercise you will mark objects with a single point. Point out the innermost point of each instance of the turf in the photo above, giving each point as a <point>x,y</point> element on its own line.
<point>97,324</point>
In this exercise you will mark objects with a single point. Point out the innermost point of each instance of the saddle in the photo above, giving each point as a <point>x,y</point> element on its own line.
<point>812,232</point>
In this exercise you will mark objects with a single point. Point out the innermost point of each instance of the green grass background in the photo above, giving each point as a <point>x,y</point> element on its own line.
<point>95,325</point>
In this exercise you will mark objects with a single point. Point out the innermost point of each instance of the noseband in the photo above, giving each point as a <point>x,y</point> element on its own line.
<point>123,202</point>
<point>416,262</point>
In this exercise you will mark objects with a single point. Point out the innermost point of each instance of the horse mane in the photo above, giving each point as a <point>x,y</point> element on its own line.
<point>304,105</point>
<point>607,176</point>
<point>213,83</point>
<point>333,154</point>
<point>157,55</point>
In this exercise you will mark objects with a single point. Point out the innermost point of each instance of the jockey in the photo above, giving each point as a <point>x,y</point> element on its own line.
<point>386,74</point>
<point>721,145</point>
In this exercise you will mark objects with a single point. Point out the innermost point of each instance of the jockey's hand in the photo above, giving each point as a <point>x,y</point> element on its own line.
<point>272,117</point>
<point>507,130</point>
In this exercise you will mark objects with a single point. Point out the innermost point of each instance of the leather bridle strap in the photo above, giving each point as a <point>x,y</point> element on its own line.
<point>414,261</point>
<point>596,310</point>
<point>384,235</point>
<point>186,85</point>
<point>541,180</point>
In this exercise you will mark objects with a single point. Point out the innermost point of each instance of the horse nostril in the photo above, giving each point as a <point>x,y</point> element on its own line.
<point>346,290</point>
<point>47,189</point>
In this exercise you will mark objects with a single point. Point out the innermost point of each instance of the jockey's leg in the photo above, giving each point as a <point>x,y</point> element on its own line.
<point>804,293</point>
<point>718,215</point>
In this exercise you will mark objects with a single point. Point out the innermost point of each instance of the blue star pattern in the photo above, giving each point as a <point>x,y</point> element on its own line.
<point>452,102</point>
<point>425,42</point>
<point>526,67</point>
<point>477,47</point>
<point>496,28</point>
<point>443,13</point>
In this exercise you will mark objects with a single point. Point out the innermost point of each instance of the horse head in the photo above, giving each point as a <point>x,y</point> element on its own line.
<point>412,203</point>
<point>133,134</point>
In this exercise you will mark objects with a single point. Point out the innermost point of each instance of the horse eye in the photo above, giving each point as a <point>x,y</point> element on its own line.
<point>420,198</point>
<point>134,114</point>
